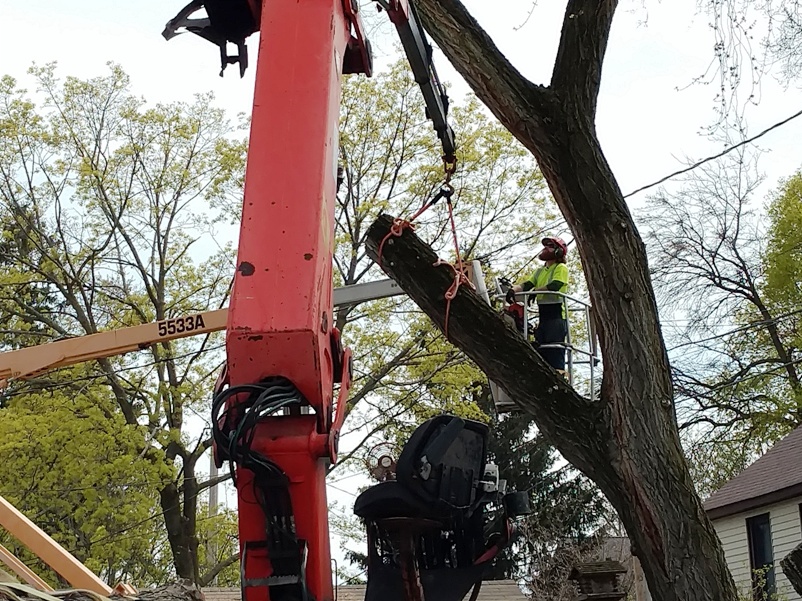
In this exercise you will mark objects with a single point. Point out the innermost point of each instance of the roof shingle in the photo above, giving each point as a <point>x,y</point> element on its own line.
<point>774,477</point>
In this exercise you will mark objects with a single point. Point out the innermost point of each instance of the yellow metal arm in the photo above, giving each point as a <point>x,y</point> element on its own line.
<point>49,551</point>
<point>28,362</point>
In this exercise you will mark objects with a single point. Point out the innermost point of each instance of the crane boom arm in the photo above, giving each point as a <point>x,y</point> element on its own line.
<point>273,414</point>
<point>404,16</point>
<point>28,362</point>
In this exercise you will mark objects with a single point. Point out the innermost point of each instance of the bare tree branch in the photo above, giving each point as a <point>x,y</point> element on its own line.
<point>578,67</point>
<point>209,576</point>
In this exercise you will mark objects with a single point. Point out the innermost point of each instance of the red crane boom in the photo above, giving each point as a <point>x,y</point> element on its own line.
<point>281,313</point>
<point>274,415</point>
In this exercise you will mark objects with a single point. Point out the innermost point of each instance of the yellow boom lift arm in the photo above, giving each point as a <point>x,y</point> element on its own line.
<point>31,361</point>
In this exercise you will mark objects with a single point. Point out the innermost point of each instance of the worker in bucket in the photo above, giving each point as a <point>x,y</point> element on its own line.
<point>552,276</point>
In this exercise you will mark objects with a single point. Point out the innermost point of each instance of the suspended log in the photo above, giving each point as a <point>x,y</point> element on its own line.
<point>626,441</point>
<point>498,349</point>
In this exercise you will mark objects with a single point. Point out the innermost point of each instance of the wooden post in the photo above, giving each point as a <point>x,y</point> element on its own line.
<point>23,571</point>
<point>49,551</point>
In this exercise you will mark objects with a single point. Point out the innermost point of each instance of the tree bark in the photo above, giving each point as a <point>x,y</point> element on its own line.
<point>190,514</point>
<point>792,568</point>
<point>179,534</point>
<point>626,442</point>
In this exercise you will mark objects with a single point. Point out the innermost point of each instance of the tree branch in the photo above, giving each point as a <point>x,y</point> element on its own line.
<point>212,482</point>
<point>209,577</point>
<point>577,69</point>
<point>563,415</point>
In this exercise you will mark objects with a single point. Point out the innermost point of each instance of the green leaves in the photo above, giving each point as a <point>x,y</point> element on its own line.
<point>783,268</point>
<point>107,208</point>
<point>73,467</point>
<point>784,249</point>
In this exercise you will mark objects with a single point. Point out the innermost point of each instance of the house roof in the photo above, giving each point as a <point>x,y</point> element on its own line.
<point>492,590</point>
<point>775,477</point>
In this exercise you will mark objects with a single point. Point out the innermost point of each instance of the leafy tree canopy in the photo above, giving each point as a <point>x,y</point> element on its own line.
<point>71,465</point>
<point>106,223</point>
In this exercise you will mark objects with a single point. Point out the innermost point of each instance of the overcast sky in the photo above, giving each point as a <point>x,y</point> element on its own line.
<point>648,127</point>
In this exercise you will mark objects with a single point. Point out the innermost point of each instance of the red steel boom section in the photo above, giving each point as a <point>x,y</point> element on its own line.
<point>280,317</point>
<point>276,420</point>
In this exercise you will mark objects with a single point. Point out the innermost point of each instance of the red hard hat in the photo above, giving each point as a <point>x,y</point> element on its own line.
<point>557,242</point>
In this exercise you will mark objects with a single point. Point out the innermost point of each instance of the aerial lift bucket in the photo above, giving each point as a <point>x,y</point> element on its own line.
<point>501,400</point>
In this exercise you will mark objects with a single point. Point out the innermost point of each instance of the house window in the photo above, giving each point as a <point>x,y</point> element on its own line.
<point>761,556</point>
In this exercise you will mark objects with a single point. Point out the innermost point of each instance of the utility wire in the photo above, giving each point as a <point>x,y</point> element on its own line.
<point>715,156</point>
<point>59,491</point>
<point>749,326</point>
<point>342,490</point>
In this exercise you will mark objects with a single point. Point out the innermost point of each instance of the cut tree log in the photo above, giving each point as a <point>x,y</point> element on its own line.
<point>792,568</point>
<point>498,349</point>
<point>631,452</point>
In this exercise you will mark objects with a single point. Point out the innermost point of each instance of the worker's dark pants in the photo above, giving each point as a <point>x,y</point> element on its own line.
<point>551,329</point>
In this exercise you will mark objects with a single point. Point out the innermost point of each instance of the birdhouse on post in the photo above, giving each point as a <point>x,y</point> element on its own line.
<point>598,581</point>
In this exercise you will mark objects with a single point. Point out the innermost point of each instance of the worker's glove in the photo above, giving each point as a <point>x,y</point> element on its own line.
<point>510,297</point>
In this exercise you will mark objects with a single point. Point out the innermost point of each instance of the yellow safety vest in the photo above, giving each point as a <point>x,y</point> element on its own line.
<point>544,276</point>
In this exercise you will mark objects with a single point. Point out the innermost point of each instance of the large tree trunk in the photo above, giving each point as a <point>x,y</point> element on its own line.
<point>792,568</point>
<point>626,442</point>
<point>180,534</point>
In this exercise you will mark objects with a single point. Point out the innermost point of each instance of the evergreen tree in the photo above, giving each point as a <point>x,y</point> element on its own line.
<point>568,511</point>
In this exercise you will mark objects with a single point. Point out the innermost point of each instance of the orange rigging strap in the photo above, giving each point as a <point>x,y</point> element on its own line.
<point>399,225</point>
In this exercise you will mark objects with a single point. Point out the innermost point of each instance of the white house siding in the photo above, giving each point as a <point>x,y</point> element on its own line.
<point>786,533</point>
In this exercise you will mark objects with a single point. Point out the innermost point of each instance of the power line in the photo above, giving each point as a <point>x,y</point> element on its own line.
<point>715,156</point>
<point>113,483</point>
<point>354,475</point>
<point>749,326</point>
<point>342,490</point>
